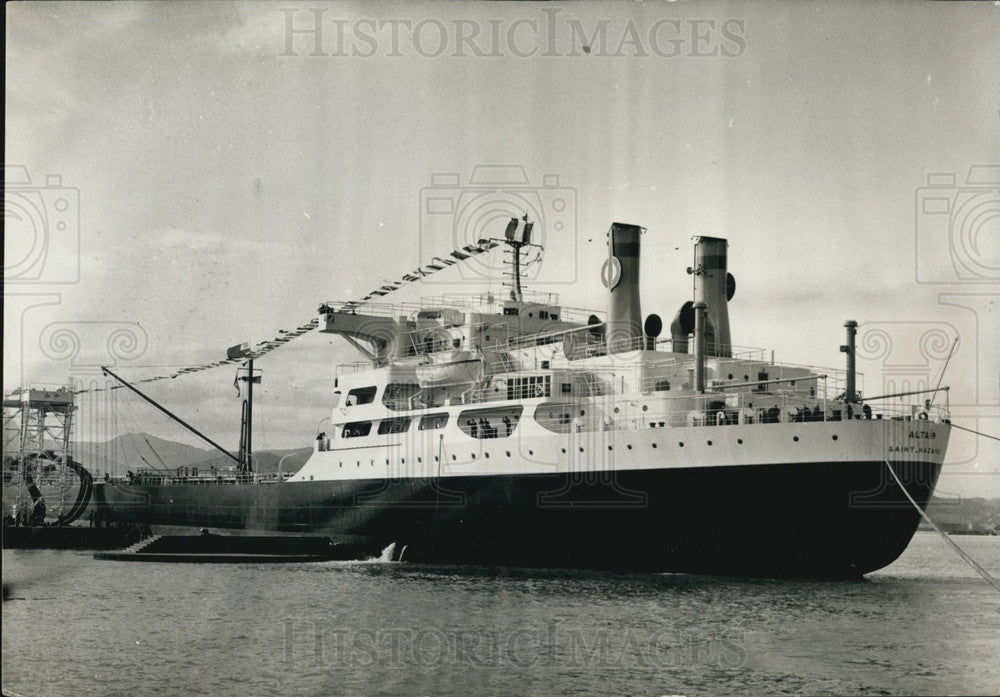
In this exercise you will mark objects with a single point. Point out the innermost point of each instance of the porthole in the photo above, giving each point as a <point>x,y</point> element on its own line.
<point>730,376</point>
<point>402,460</point>
<point>387,461</point>
<point>746,377</point>
<point>420,459</point>
<point>835,436</point>
<point>508,453</point>
<point>740,441</point>
<point>531,452</point>
<point>795,438</point>
<point>645,407</point>
<point>486,455</point>
<point>617,410</point>
<point>454,457</point>
<point>473,456</point>
<point>681,444</point>
<point>437,459</point>
<point>610,447</point>
<point>654,445</point>
<point>583,413</point>
<point>629,447</point>
<point>581,449</point>
<point>563,449</point>
<point>709,442</point>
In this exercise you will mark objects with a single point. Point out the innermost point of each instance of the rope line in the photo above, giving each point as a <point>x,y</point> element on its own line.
<point>978,433</point>
<point>961,552</point>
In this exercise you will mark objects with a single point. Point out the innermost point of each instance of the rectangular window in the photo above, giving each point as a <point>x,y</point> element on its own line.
<point>400,425</point>
<point>433,421</point>
<point>361,395</point>
<point>762,379</point>
<point>498,422</point>
<point>567,388</point>
<point>397,394</point>
<point>356,429</point>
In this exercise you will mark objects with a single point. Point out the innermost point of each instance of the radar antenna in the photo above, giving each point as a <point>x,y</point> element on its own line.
<point>517,236</point>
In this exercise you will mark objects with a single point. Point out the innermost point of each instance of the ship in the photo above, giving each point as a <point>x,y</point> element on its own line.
<point>510,430</point>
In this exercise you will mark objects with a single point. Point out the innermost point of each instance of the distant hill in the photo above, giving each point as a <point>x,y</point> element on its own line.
<point>964,515</point>
<point>134,450</point>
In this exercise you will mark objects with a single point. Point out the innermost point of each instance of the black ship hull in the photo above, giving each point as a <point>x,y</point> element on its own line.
<point>828,520</point>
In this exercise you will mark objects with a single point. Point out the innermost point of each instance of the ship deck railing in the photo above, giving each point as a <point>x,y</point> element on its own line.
<point>487,303</point>
<point>669,376</point>
<point>786,410</point>
<point>640,343</point>
<point>608,389</point>
<point>355,367</point>
<point>161,477</point>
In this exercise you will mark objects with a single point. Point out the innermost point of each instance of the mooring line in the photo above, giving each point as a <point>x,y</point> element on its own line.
<point>961,552</point>
<point>978,433</point>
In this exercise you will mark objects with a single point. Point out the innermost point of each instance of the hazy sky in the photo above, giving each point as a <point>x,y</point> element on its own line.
<point>226,167</point>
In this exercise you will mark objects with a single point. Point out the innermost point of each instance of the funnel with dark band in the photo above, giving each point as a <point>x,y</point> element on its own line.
<point>621,277</point>
<point>712,287</point>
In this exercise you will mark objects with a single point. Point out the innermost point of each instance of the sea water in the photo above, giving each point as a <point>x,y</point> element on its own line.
<point>74,625</point>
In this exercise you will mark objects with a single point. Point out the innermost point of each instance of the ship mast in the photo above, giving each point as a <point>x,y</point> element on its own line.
<point>517,236</point>
<point>245,460</point>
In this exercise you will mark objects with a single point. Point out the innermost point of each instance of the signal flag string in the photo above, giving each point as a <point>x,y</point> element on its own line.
<point>436,264</point>
<point>263,348</point>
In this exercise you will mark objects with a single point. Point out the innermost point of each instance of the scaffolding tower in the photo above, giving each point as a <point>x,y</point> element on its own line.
<point>36,451</point>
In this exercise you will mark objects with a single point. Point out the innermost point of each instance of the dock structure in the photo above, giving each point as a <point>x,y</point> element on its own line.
<point>36,443</point>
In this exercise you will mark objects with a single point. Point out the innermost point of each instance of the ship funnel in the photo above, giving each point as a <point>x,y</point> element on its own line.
<point>714,287</point>
<point>851,392</point>
<point>621,277</point>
